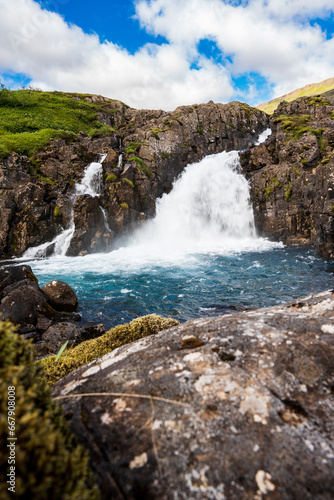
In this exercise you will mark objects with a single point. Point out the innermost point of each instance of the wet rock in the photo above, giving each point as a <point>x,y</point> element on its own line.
<point>56,335</point>
<point>37,196</point>
<point>291,176</point>
<point>233,407</point>
<point>23,305</point>
<point>91,234</point>
<point>11,275</point>
<point>61,296</point>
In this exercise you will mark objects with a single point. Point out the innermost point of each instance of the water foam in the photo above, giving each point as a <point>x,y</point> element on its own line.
<point>90,184</point>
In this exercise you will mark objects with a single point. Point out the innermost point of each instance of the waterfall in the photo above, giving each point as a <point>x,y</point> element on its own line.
<point>120,161</point>
<point>90,184</point>
<point>208,208</point>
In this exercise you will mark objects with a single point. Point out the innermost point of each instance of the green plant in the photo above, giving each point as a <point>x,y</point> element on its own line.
<point>269,190</point>
<point>30,119</point>
<point>124,205</point>
<point>165,155</point>
<point>129,182</point>
<point>111,178</point>
<point>294,125</point>
<point>49,463</point>
<point>288,192</point>
<point>57,211</point>
<point>141,165</point>
<point>95,348</point>
<point>133,147</point>
<point>61,350</point>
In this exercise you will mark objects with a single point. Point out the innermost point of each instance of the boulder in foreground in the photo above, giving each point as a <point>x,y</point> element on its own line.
<point>233,407</point>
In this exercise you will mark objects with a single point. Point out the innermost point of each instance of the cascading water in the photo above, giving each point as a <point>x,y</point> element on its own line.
<point>90,184</point>
<point>199,256</point>
<point>207,209</point>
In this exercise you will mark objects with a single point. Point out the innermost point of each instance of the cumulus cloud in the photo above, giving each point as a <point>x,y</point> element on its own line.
<point>272,38</point>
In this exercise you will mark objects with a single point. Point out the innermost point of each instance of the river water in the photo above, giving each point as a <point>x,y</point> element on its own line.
<point>200,256</point>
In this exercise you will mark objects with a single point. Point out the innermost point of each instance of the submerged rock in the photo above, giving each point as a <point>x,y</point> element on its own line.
<point>233,407</point>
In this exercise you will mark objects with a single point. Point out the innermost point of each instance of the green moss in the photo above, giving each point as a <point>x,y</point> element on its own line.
<point>157,131</point>
<point>288,192</point>
<point>294,125</point>
<point>165,155</point>
<point>296,170</point>
<point>318,101</point>
<point>200,129</point>
<point>95,348</point>
<point>322,143</point>
<point>277,184</point>
<point>111,178</point>
<point>133,147</point>
<point>327,159</point>
<point>269,190</point>
<point>30,119</point>
<point>57,211</point>
<point>124,205</point>
<point>141,165</point>
<point>129,182</point>
<point>46,179</point>
<point>48,461</point>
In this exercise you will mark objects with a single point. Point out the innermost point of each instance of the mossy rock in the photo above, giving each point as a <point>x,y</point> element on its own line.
<point>95,348</point>
<point>48,461</point>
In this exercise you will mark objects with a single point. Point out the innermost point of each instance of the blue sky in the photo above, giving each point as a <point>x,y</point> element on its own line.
<point>165,53</point>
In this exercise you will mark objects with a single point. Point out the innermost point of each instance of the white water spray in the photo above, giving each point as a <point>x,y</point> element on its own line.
<point>90,184</point>
<point>208,209</point>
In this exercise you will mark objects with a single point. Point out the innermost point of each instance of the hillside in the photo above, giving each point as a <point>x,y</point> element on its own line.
<point>312,89</point>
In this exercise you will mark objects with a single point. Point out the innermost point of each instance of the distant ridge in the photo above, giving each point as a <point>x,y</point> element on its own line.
<point>308,90</point>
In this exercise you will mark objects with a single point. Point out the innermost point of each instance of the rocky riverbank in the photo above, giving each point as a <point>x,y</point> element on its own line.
<point>292,175</point>
<point>45,315</point>
<point>36,200</point>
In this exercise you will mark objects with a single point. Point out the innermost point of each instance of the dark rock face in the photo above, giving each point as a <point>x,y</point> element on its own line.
<point>46,316</point>
<point>36,194</point>
<point>233,407</point>
<point>61,296</point>
<point>292,175</point>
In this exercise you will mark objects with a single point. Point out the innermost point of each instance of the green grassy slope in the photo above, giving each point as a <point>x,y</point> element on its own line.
<point>30,119</point>
<point>308,90</point>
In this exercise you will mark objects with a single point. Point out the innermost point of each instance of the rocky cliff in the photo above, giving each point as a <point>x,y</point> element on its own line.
<point>36,193</point>
<point>292,175</point>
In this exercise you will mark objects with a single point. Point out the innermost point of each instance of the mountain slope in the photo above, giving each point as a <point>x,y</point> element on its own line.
<point>308,90</point>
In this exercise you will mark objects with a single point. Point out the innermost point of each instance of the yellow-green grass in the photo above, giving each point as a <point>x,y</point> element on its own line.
<point>309,90</point>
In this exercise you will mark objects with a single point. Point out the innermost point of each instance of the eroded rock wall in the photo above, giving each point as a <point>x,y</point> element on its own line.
<point>36,195</point>
<point>292,175</point>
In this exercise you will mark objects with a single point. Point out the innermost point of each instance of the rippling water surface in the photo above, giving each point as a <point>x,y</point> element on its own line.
<point>199,256</point>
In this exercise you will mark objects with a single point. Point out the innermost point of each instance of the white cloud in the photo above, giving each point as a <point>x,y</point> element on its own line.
<point>61,56</point>
<point>269,37</point>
